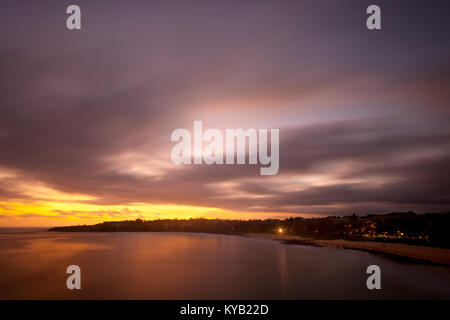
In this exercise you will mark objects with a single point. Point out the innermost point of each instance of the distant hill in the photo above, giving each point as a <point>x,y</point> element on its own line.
<point>403,227</point>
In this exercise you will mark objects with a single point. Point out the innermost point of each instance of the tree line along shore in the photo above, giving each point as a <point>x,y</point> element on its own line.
<point>429,229</point>
<point>418,237</point>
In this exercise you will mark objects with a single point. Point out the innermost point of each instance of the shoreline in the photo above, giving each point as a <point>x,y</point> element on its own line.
<point>406,253</point>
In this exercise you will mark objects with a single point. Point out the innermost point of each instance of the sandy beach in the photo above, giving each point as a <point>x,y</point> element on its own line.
<point>421,253</point>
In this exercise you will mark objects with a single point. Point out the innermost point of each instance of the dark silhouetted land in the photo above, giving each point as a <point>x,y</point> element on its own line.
<point>421,237</point>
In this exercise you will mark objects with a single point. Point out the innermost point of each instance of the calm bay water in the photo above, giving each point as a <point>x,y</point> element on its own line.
<point>198,266</point>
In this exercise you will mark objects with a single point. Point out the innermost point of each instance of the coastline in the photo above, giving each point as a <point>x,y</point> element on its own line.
<point>406,252</point>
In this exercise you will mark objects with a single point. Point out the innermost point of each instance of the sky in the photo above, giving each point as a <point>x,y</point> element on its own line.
<point>86,115</point>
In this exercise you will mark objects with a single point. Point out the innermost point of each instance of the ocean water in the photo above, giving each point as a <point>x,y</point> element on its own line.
<point>199,266</point>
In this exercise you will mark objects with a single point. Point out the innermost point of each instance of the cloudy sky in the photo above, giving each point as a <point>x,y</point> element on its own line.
<point>86,116</point>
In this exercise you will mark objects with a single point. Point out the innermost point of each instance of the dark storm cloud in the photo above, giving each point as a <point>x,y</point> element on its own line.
<point>374,155</point>
<point>71,102</point>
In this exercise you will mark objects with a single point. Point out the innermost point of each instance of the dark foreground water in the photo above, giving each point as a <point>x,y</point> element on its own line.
<point>198,266</point>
